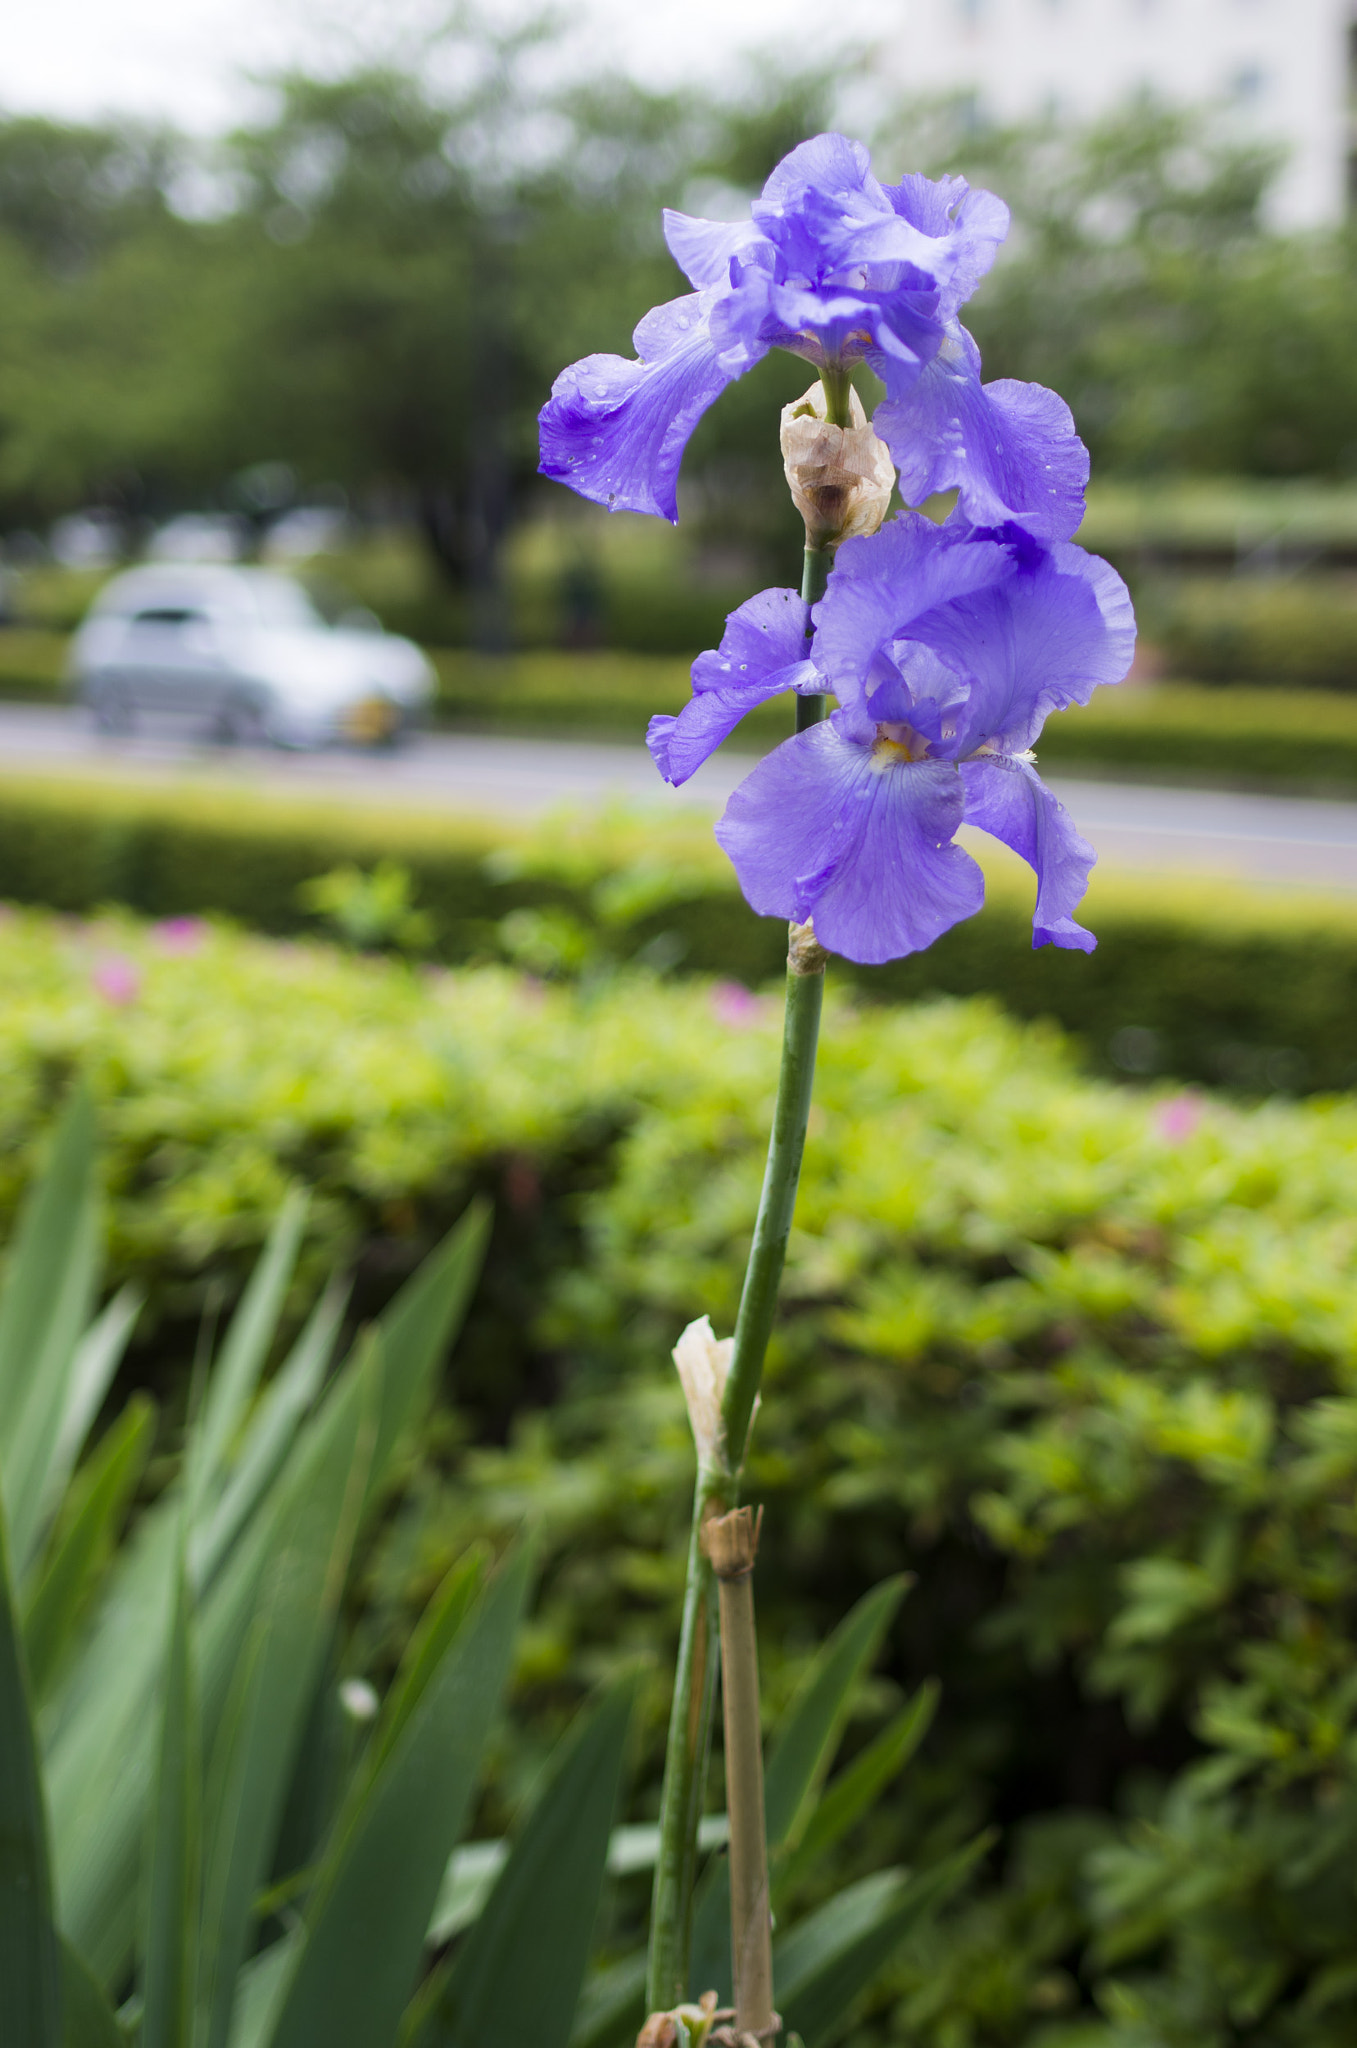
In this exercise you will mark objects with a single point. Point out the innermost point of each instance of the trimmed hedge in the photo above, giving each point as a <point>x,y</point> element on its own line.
<point>32,664</point>
<point>1212,982</point>
<point>1256,631</point>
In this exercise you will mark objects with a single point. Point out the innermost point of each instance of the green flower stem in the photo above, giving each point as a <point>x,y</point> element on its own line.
<point>717,1490</point>
<point>838,388</point>
<point>763,1275</point>
<point>814,577</point>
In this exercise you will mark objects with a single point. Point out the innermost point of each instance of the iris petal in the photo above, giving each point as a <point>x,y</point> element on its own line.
<point>1009,450</point>
<point>702,249</point>
<point>1009,799</point>
<point>762,653</point>
<point>615,430</point>
<point>882,584</point>
<point>1056,628</point>
<point>858,839</point>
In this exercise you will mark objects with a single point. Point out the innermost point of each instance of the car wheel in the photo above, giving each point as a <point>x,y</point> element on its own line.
<point>237,723</point>
<point>112,710</point>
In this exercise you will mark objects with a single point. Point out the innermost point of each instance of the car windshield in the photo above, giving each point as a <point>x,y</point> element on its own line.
<point>278,601</point>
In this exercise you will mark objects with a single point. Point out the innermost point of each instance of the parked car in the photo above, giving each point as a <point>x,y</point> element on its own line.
<point>247,649</point>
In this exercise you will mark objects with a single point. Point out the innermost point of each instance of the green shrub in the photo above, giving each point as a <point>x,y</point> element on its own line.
<point>32,663</point>
<point>1209,981</point>
<point>1082,1360</point>
<point>1078,1356</point>
<point>192,1804</point>
<point>1182,517</point>
<point>1257,631</point>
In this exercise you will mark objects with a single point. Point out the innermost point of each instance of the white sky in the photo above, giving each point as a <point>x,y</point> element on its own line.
<point>188,60</point>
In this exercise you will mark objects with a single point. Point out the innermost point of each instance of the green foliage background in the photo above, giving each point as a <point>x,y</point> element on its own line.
<point>1215,982</point>
<point>1077,1355</point>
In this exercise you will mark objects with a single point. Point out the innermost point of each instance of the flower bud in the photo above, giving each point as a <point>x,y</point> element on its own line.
<point>841,478</point>
<point>704,1367</point>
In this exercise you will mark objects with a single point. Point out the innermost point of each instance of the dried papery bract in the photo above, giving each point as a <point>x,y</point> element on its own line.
<point>840,478</point>
<point>703,1363</point>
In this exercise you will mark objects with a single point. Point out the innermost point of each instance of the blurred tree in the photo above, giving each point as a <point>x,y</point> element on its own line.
<point>1141,282</point>
<point>376,284</point>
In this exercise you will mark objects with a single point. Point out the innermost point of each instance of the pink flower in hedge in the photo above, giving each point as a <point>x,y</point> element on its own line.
<point>117,979</point>
<point>180,935</point>
<point>733,1005</point>
<point>1177,1119</point>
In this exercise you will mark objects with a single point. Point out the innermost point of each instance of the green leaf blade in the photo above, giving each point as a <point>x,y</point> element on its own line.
<point>356,1968</point>
<point>857,1789</point>
<point>810,1730</point>
<point>824,1964</point>
<point>30,1951</point>
<point>517,1975</point>
<point>256,1746</point>
<point>40,1252</point>
<point>88,2020</point>
<point>170,1924</point>
<point>420,1324</point>
<point>104,1491</point>
<point>235,1374</point>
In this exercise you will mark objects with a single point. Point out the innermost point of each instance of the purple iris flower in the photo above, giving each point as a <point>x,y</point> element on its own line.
<point>839,269</point>
<point>764,650</point>
<point>947,648</point>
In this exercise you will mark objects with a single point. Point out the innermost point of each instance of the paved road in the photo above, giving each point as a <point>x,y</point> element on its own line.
<point>1272,839</point>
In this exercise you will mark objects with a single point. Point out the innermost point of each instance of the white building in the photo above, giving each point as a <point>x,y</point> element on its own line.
<point>1281,68</point>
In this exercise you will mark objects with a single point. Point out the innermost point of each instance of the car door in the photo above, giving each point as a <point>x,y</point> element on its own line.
<point>153,656</point>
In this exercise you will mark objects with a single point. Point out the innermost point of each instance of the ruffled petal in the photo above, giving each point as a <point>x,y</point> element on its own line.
<point>1009,450</point>
<point>1009,799</point>
<point>615,430</point>
<point>881,584</point>
<point>815,200</point>
<point>974,222</point>
<point>762,653</point>
<point>1044,638</point>
<point>857,838</point>
<point>702,249</point>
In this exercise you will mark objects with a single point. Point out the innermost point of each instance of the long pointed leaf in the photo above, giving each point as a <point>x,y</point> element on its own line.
<point>40,1250</point>
<point>73,1563</point>
<point>97,1358</point>
<point>262,1984</point>
<point>99,1738</point>
<point>517,1975</point>
<point>822,1966</point>
<point>858,1788</point>
<point>98,1728</point>
<point>365,1929</point>
<point>235,1373</point>
<point>171,1913</point>
<point>808,1736</point>
<point>30,1952</point>
<point>420,1324</point>
<point>87,2017</point>
<point>27,1473</point>
<point>612,2006</point>
<point>272,1430</point>
<point>101,1762</point>
<point>255,1750</point>
<point>433,1637</point>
